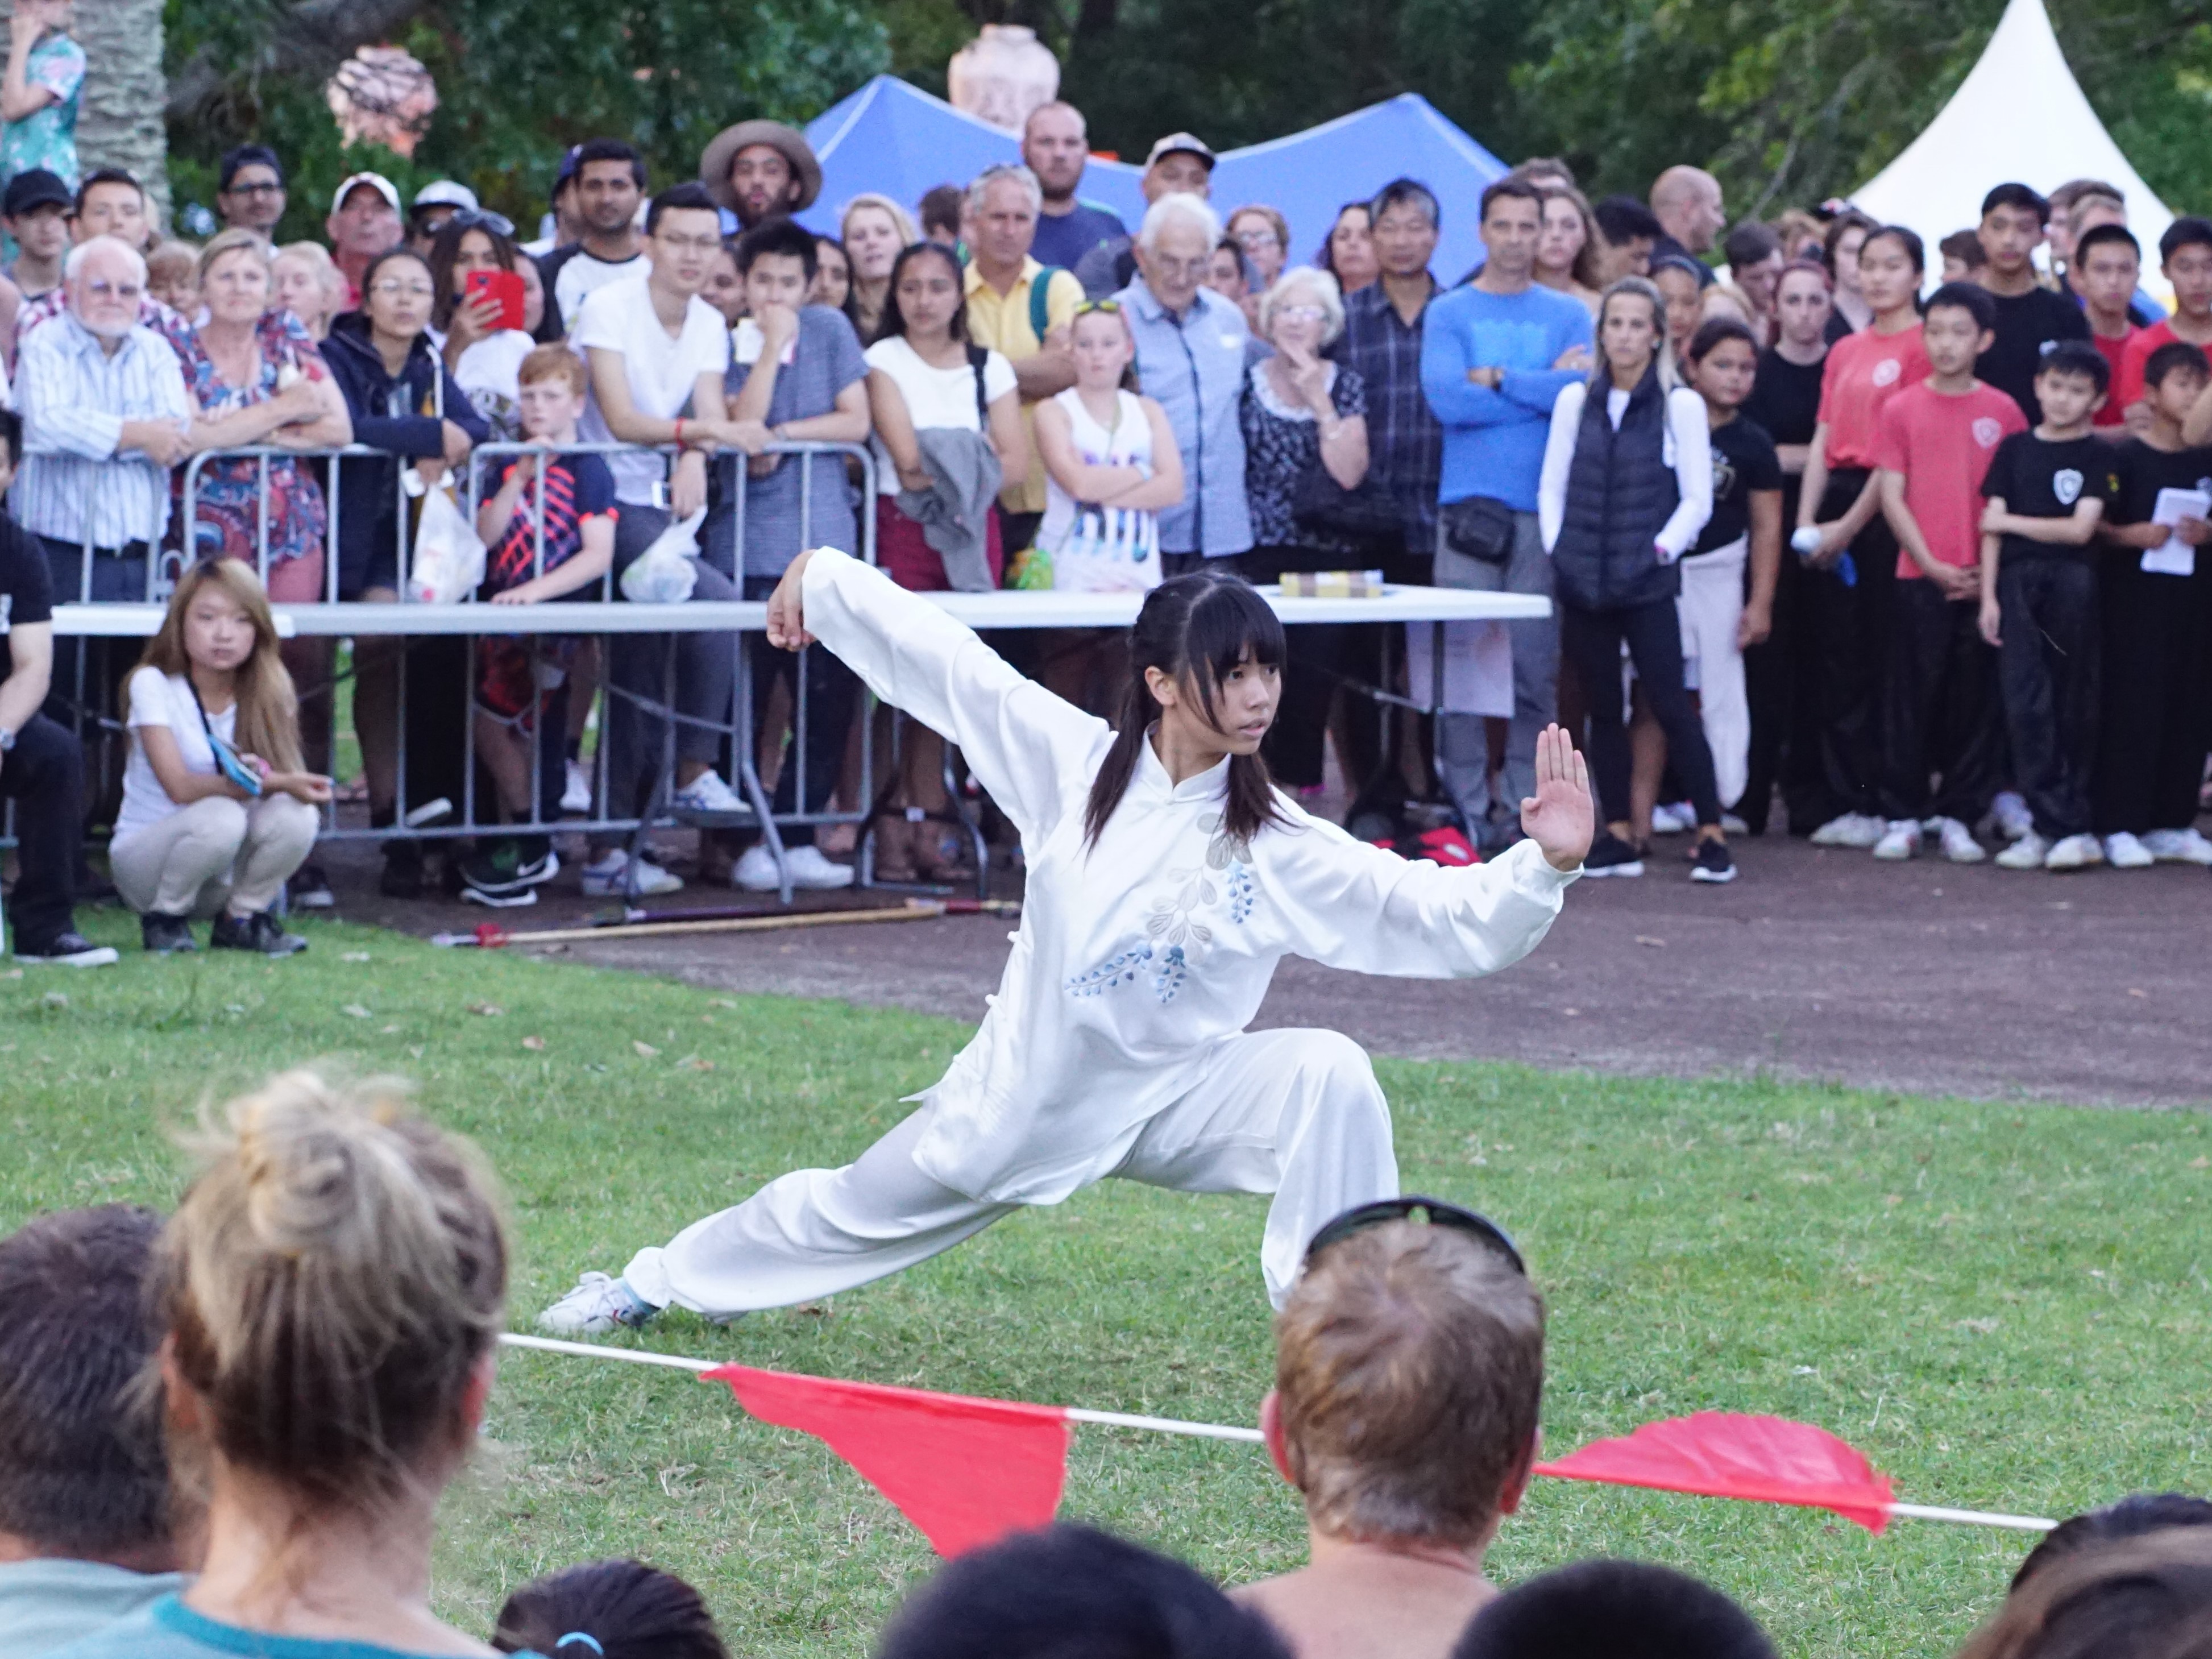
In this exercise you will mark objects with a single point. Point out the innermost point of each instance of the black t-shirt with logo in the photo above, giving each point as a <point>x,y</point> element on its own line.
<point>27,586</point>
<point>2038,479</point>
<point>2027,323</point>
<point>1743,460</point>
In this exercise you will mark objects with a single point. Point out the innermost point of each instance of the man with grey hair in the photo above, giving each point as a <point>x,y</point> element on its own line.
<point>1056,147</point>
<point>1191,353</point>
<point>1022,309</point>
<point>1180,164</point>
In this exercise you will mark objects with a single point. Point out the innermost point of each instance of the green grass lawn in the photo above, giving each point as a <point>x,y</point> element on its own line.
<point>2005,1305</point>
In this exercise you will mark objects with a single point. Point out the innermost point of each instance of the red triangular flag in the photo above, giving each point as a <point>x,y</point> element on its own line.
<point>966,1472</point>
<point>1769,1460</point>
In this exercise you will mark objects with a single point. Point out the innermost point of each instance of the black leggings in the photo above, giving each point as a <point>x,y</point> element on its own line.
<point>1591,639</point>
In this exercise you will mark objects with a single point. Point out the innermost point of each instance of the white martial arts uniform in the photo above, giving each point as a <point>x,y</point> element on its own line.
<point>1116,1044</point>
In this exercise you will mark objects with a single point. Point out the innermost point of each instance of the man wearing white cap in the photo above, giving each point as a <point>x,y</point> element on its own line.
<point>436,203</point>
<point>1180,164</point>
<point>364,220</point>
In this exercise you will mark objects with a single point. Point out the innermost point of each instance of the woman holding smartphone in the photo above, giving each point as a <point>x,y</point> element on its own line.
<point>478,309</point>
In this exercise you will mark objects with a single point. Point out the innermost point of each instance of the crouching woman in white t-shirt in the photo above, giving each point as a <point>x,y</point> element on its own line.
<point>216,813</point>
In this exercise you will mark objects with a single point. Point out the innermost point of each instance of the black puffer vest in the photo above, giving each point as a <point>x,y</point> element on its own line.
<point>1621,492</point>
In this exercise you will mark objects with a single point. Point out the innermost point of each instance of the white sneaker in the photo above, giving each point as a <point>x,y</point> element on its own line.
<point>1900,840</point>
<point>2124,851</point>
<point>1959,843</point>
<point>576,797</point>
<point>608,873</point>
<point>2179,847</point>
<point>707,794</point>
<point>810,871</point>
<point>1856,830</point>
<point>600,1304</point>
<point>2013,820</point>
<point>2073,852</point>
<point>2026,854</point>
<point>1677,818</point>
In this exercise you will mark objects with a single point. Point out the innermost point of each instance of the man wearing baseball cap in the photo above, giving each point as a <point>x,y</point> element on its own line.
<point>436,203</point>
<point>1180,164</point>
<point>36,209</point>
<point>757,169</point>
<point>364,220</point>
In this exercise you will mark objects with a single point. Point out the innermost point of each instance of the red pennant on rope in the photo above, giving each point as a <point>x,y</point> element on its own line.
<point>966,1472</point>
<point>1767,1460</point>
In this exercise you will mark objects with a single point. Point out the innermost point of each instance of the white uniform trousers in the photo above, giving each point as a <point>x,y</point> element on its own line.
<point>1295,1113</point>
<point>1710,607</point>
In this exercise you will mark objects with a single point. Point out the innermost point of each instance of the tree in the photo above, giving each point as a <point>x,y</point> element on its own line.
<point>120,123</point>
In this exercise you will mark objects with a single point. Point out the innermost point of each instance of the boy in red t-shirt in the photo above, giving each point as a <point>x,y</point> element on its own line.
<point>2185,256</point>
<point>1940,710</point>
<point>2107,268</point>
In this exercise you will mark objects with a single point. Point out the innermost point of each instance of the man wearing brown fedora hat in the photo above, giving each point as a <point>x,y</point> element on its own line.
<point>757,169</point>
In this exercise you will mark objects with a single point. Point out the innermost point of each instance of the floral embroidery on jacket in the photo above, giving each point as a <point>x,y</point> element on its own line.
<point>1175,936</point>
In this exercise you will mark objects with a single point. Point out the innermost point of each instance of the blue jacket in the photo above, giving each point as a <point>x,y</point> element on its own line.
<point>1494,440</point>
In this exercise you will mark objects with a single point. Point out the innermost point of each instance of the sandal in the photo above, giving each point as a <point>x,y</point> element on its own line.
<point>894,838</point>
<point>944,850</point>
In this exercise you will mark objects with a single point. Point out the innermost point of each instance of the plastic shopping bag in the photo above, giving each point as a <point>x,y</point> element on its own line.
<point>667,571</point>
<point>449,555</point>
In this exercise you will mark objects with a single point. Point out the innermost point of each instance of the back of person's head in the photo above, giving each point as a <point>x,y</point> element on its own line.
<point>2175,356</point>
<point>778,235</point>
<point>1409,1373</point>
<point>1613,1610</point>
<point>1070,1592</point>
<point>2139,1512</point>
<point>608,1610</point>
<point>2187,231</point>
<point>1751,242</point>
<point>689,197</point>
<point>330,1285</point>
<point>1624,219</point>
<point>940,209</point>
<point>2146,1597</point>
<point>81,1472</point>
<point>2077,358</point>
<point>2017,195</point>
<point>1969,297</point>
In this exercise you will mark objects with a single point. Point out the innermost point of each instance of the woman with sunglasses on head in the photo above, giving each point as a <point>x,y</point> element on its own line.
<point>1167,877</point>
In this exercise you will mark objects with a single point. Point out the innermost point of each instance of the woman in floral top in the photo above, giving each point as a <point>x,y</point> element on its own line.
<point>39,99</point>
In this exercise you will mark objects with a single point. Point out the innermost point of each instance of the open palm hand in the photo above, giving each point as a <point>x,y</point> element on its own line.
<point>1560,817</point>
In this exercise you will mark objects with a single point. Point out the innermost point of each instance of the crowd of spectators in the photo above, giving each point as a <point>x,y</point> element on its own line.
<point>227,1431</point>
<point>1907,592</point>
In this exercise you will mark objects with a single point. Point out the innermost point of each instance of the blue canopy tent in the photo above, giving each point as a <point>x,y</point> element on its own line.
<point>899,141</point>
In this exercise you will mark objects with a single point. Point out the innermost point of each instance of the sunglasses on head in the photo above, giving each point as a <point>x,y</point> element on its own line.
<point>477,219</point>
<point>1111,307</point>
<point>1433,1211</point>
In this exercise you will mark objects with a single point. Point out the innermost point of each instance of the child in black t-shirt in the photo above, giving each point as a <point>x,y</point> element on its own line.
<point>2154,583</point>
<point>2046,489</point>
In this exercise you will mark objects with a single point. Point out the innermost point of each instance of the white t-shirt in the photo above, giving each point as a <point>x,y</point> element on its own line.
<point>582,276</point>
<point>935,397</point>
<point>159,699</point>
<point>662,372</point>
<point>490,373</point>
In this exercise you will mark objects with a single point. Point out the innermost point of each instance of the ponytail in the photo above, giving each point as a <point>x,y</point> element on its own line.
<point>1194,629</point>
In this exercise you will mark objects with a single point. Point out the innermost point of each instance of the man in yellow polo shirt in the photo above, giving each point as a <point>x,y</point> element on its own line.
<point>1004,311</point>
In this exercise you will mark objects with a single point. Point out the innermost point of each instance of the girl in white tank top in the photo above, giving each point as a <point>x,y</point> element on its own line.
<point>1111,464</point>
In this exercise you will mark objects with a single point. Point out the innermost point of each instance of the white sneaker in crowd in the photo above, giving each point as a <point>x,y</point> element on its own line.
<point>608,873</point>
<point>2073,852</point>
<point>1900,840</point>
<point>1856,830</point>
<point>2026,854</point>
<point>707,794</point>
<point>811,871</point>
<point>1733,824</point>
<point>1673,818</point>
<point>2124,851</point>
<point>2179,847</point>
<point>2009,809</point>
<point>1959,843</point>
<point>576,795</point>
<point>600,1304</point>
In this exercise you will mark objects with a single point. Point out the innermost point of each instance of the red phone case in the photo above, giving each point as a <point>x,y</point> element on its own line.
<point>504,286</point>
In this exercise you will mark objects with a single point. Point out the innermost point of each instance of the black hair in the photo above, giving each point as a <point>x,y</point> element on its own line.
<point>892,325</point>
<point>941,207</point>
<point>118,176</point>
<point>1623,219</point>
<point>2076,358</point>
<point>446,247</point>
<point>1905,237</point>
<point>1511,185</point>
<point>1832,237</point>
<point>1400,192</point>
<point>247,156</point>
<point>1683,263</point>
<point>1325,260</point>
<point>611,149</point>
<point>1605,1609</point>
<point>397,251</point>
<point>82,1471</point>
<point>1750,242</point>
<point>2017,195</point>
<point>1069,1592</point>
<point>780,235</point>
<point>1966,247</point>
<point>2175,355</point>
<point>1714,331</point>
<point>2098,234</point>
<point>1971,297</point>
<point>2187,231</point>
<point>689,197</point>
<point>2139,1512</point>
<point>1194,629</point>
<point>614,1609</point>
<point>11,434</point>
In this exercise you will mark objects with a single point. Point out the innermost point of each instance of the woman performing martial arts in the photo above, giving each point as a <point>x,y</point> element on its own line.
<point>1166,879</point>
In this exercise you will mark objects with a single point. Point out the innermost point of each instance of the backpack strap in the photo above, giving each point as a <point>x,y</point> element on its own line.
<point>978,356</point>
<point>1039,292</point>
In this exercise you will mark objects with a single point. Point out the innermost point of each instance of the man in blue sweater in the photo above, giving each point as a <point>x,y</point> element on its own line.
<point>1494,356</point>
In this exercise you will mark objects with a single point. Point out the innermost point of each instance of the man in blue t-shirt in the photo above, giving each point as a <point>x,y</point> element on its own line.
<point>1055,146</point>
<point>1494,357</point>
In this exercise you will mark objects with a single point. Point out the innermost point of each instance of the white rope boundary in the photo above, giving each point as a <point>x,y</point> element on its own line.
<point>1212,1430</point>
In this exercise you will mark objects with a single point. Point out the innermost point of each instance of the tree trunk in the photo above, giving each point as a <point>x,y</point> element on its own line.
<point>120,124</point>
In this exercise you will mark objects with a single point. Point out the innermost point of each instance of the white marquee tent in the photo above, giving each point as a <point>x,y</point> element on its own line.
<point>2018,115</point>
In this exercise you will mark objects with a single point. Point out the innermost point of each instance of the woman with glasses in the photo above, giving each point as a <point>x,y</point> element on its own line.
<point>1264,237</point>
<point>482,350</point>
<point>1305,454</point>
